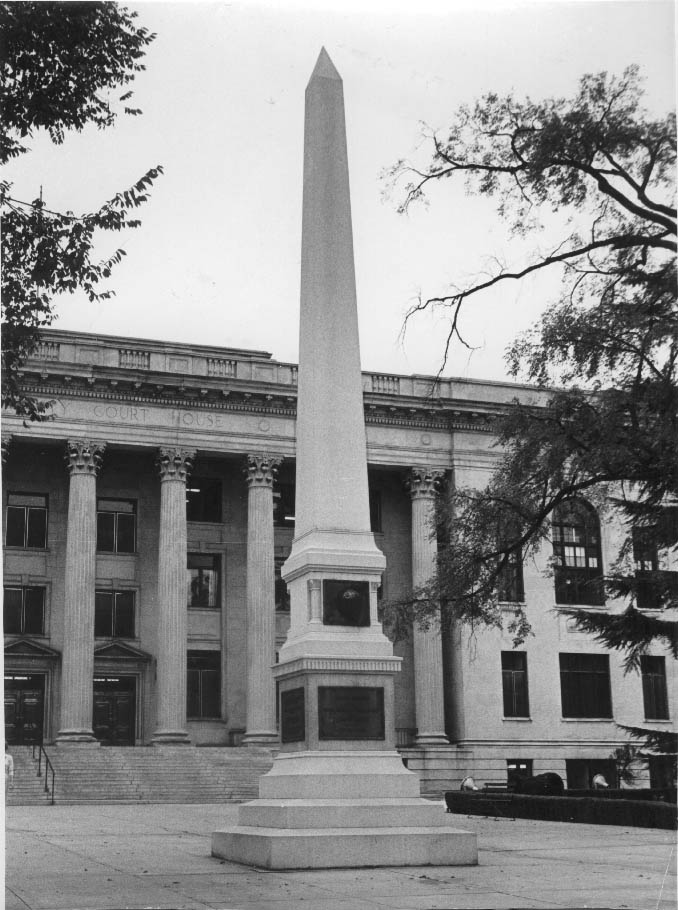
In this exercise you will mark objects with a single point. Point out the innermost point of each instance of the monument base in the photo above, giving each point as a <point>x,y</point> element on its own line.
<point>324,810</point>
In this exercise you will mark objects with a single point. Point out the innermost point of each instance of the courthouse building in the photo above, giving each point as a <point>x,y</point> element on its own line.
<point>163,491</point>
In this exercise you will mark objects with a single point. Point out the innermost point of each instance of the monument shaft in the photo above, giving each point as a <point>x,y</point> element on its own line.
<point>331,463</point>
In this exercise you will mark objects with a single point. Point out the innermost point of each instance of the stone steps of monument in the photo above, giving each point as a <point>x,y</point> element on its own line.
<point>157,775</point>
<point>28,789</point>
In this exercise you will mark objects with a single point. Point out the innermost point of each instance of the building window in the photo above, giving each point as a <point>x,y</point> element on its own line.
<point>283,505</point>
<point>24,611</point>
<point>655,699</point>
<point>517,769</point>
<point>116,526</point>
<point>510,580</point>
<point>203,499</point>
<point>514,683</point>
<point>114,614</point>
<point>653,585</point>
<point>585,685</point>
<point>662,770</point>
<point>581,771</point>
<point>26,520</point>
<point>375,511</point>
<point>204,684</point>
<point>282,594</point>
<point>576,552</point>
<point>203,580</point>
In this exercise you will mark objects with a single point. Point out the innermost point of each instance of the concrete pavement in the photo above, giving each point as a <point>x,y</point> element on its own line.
<point>158,856</point>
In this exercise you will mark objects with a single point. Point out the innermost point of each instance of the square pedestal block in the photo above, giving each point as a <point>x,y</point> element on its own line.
<point>327,848</point>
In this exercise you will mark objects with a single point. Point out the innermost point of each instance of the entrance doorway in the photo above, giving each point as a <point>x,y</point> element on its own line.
<point>24,709</point>
<point>114,710</point>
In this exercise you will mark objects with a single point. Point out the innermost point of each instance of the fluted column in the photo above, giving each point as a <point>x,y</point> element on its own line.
<point>428,653</point>
<point>261,471</point>
<point>174,465</point>
<point>6,443</point>
<point>83,459</point>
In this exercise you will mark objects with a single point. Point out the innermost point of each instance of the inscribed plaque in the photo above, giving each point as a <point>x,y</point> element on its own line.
<point>350,712</point>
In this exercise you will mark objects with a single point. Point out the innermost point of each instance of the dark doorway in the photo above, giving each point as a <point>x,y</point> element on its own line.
<point>114,710</point>
<point>24,709</point>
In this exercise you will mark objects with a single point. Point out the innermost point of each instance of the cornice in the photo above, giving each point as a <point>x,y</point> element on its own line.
<point>247,398</point>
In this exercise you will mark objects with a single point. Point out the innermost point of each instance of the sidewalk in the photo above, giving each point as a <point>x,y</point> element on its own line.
<point>158,856</point>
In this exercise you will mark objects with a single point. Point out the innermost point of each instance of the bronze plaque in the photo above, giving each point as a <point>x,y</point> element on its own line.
<point>350,712</point>
<point>292,716</point>
<point>346,603</point>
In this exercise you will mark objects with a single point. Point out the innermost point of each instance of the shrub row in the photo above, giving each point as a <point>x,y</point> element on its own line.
<point>664,794</point>
<point>589,810</point>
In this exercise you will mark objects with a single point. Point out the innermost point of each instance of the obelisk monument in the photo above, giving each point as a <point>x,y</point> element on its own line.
<point>338,793</point>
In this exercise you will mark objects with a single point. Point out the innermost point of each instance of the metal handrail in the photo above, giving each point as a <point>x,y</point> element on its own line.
<point>49,767</point>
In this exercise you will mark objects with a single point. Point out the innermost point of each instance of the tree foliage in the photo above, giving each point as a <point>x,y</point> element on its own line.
<point>61,62</point>
<point>603,356</point>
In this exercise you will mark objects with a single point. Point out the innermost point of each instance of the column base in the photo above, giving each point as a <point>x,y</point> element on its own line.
<point>170,738</point>
<point>431,739</point>
<point>261,738</point>
<point>76,738</point>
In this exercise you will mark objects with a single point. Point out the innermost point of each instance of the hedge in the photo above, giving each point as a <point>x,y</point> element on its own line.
<point>664,794</point>
<point>588,810</point>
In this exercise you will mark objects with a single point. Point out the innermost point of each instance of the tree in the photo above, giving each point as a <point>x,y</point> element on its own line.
<point>603,355</point>
<point>60,64</point>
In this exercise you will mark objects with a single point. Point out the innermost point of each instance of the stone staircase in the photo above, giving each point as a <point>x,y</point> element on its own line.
<point>28,789</point>
<point>166,774</point>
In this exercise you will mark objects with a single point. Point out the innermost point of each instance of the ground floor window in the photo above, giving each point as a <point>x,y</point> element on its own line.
<point>203,580</point>
<point>204,685</point>
<point>662,770</point>
<point>655,699</point>
<point>581,771</point>
<point>514,683</point>
<point>114,614</point>
<point>585,685</point>
<point>517,769</point>
<point>24,611</point>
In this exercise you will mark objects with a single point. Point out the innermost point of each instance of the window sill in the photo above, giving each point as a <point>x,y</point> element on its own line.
<point>203,609</point>
<point>583,607</point>
<point>520,720</point>
<point>26,549</point>
<point>115,553</point>
<point>587,720</point>
<point>113,639</point>
<point>657,720</point>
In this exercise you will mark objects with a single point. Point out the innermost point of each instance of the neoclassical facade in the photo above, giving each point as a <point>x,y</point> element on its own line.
<point>144,530</point>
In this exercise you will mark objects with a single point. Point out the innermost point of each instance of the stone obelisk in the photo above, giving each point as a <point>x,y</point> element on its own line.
<point>338,793</point>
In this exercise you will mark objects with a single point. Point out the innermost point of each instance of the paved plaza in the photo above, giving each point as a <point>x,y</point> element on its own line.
<point>158,856</point>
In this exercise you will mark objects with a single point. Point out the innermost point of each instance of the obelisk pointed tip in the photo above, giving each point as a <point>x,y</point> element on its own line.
<point>324,68</point>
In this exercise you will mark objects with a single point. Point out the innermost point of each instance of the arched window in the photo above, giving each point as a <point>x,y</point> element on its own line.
<point>576,552</point>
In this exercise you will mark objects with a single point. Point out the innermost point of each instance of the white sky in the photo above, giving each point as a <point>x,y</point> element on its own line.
<point>216,260</point>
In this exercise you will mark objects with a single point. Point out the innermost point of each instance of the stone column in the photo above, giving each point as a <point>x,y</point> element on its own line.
<point>6,443</point>
<point>83,459</point>
<point>261,471</point>
<point>174,465</point>
<point>428,652</point>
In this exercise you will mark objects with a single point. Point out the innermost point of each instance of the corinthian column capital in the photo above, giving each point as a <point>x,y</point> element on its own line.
<point>261,470</point>
<point>174,463</point>
<point>84,456</point>
<point>422,483</point>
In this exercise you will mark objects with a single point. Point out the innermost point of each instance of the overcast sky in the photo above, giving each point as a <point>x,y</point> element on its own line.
<point>216,260</point>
